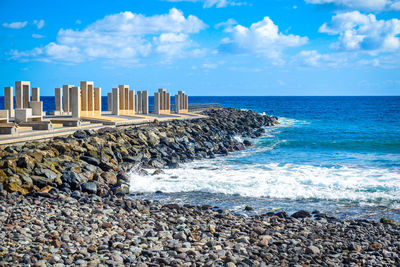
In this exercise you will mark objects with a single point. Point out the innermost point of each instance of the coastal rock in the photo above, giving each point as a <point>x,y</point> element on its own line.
<point>301,214</point>
<point>89,187</point>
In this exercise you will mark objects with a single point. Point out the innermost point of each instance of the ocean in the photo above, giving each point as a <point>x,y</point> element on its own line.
<point>338,155</point>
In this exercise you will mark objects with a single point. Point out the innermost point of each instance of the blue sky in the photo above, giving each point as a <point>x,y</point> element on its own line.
<point>206,47</point>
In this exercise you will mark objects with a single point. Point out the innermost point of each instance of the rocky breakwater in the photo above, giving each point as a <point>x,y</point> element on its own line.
<point>120,231</point>
<point>96,162</point>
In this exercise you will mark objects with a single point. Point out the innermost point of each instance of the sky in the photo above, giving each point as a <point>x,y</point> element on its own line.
<point>205,47</point>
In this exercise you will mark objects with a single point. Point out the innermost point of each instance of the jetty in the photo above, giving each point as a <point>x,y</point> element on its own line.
<point>80,108</point>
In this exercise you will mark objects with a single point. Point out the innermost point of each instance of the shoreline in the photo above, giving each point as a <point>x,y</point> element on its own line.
<point>76,197</point>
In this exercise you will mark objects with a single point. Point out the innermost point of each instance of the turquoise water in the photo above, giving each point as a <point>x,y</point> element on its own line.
<point>339,155</point>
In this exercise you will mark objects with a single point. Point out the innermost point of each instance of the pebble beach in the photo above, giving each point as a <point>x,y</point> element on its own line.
<point>65,202</point>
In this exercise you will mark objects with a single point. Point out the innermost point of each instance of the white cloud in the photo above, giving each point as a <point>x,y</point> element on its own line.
<point>371,5</point>
<point>37,36</point>
<point>359,32</point>
<point>15,25</point>
<point>262,38</point>
<point>124,36</point>
<point>211,3</point>
<point>39,23</point>
<point>312,58</point>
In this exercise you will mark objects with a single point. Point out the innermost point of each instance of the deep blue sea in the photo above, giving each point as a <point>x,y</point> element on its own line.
<point>339,155</point>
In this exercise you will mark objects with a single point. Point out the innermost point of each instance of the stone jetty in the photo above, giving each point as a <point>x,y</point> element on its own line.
<point>97,161</point>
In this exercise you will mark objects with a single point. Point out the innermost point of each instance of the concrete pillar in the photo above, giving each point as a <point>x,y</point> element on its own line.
<point>131,102</point>
<point>22,87</point>
<point>90,97</point>
<point>137,111</point>
<point>157,103</point>
<point>126,95</point>
<point>109,101</point>
<point>145,102</point>
<point>139,102</point>
<point>115,98</point>
<point>84,96</point>
<point>58,100</point>
<point>9,100</point>
<point>66,97</point>
<point>76,102</point>
<point>27,95</point>
<point>35,94</point>
<point>186,102</point>
<point>37,108</point>
<point>177,103</point>
<point>97,101</point>
<point>168,102</point>
<point>121,97</point>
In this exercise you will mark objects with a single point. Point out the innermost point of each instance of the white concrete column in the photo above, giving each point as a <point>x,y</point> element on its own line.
<point>58,100</point>
<point>9,100</point>
<point>168,108</point>
<point>186,102</point>
<point>76,102</point>
<point>27,94</point>
<point>115,103</point>
<point>67,97</point>
<point>121,97</point>
<point>84,97</point>
<point>157,103</point>
<point>109,101</point>
<point>132,102</point>
<point>177,103</point>
<point>22,87</point>
<point>139,102</point>
<point>145,102</point>
<point>97,101</point>
<point>35,94</point>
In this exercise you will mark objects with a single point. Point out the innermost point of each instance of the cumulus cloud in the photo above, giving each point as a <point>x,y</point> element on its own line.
<point>122,36</point>
<point>211,3</point>
<point>261,38</point>
<point>39,23</point>
<point>15,25</point>
<point>359,32</point>
<point>370,5</point>
<point>312,58</point>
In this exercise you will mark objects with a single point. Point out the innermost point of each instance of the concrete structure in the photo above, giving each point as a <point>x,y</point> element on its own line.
<point>76,102</point>
<point>4,116</point>
<point>87,98</point>
<point>58,101</point>
<point>124,99</point>
<point>109,101</point>
<point>131,109</point>
<point>23,115</point>
<point>142,102</point>
<point>97,101</point>
<point>115,99</point>
<point>36,94</point>
<point>181,102</point>
<point>9,100</point>
<point>66,103</point>
<point>162,102</point>
<point>22,94</point>
<point>37,108</point>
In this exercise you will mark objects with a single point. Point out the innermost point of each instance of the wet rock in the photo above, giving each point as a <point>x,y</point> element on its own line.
<point>89,187</point>
<point>312,250</point>
<point>301,214</point>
